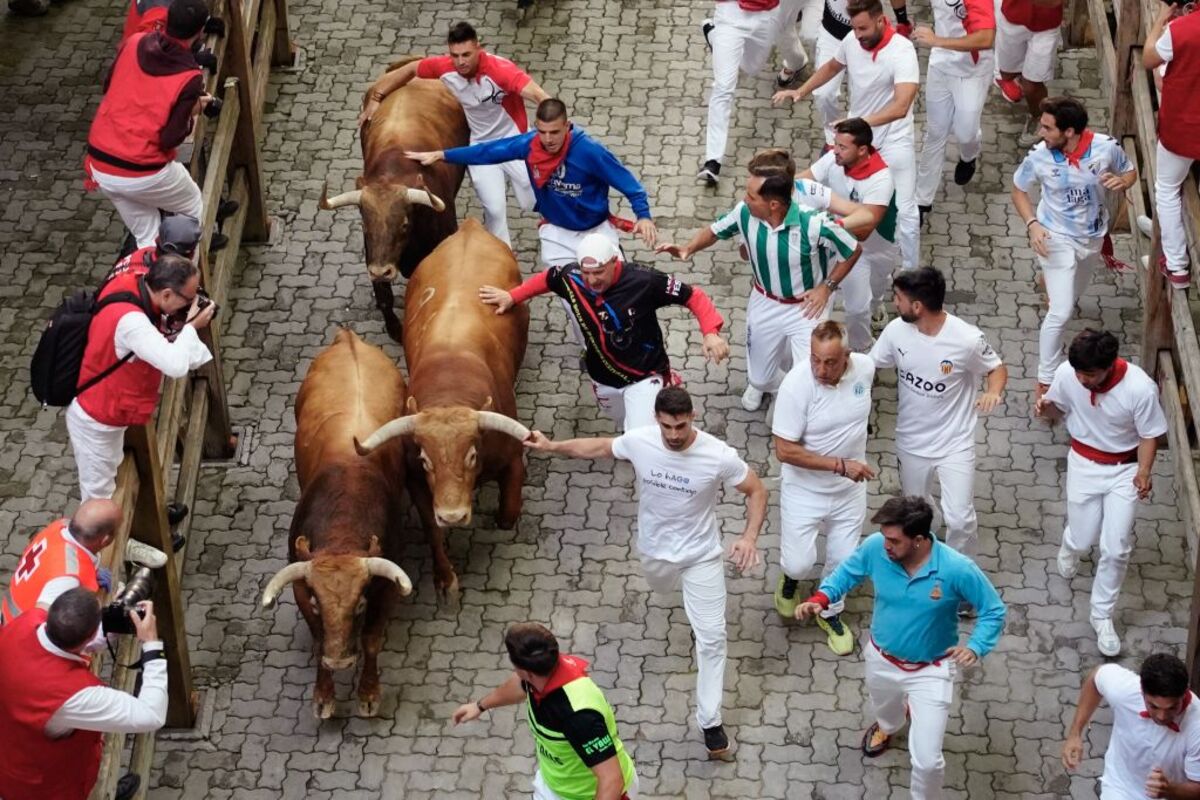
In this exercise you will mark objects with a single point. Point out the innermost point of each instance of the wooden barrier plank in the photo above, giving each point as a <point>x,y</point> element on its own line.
<point>245,148</point>
<point>189,462</point>
<point>284,52</point>
<point>214,179</point>
<point>1128,66</point>
<point>1079,29</point>
<point>261,63</point>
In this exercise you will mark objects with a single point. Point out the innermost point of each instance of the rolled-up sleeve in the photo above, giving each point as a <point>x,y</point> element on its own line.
<point>137,335</point>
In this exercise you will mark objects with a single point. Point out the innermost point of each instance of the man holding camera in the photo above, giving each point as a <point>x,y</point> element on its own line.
<point>54,712</point>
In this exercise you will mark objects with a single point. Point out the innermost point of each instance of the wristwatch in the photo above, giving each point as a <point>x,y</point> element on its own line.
<point>152,655</point>
<point>831,284</point>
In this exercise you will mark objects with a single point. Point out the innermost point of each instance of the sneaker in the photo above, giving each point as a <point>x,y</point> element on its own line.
<point>710,173</point>
<point>716,741</point>
<point>879,316</point>
<point>128,786</point>
<point>964,171</point>
<point>1107,641</point>
<point>752,398</point>
<point>1145,225</point>
<point>706,28</point>
<point>144,554</point>
<point>924,211</point>
<point>1068,563</point>
<point>1177,279</point>
<point>839,637</point>
<point>905,29</point>
<point>1030,136</point>
<point>1010,90</point>
<point>227,209</point>
<point>875,741</point>
<point>176,513</point>
<point>217,242</point>
<point>785,597</point>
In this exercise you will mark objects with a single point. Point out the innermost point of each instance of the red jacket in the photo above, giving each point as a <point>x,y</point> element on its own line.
<point>1179,106</point>
<point>145,16</point>
<point>34,684</point>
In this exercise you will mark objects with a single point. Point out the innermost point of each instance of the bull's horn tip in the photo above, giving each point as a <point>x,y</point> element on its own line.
<point>360,448</point>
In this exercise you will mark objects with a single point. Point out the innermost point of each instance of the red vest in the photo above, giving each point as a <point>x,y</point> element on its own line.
<point>1034,17</point>
<point>49,555</point>
<point>34,684</point>
<point>153,18</point>
<point>129,395</point>
<point>1179,106</point>
<point>124,139</point>
<point>138,262</point>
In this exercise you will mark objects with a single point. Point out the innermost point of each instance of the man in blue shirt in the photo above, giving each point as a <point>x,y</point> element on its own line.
<point>914,652</point>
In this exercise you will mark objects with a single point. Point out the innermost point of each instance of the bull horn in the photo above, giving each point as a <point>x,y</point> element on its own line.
<point>382,568</point>
<point>491,421</point>
<point>400,426</point>
<point>426,198</point>
<point>328,203</point>
<point>296,571</point>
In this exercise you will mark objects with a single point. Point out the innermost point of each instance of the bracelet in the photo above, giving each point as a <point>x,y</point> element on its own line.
<point>1031,221</point>
<point>377,95</point>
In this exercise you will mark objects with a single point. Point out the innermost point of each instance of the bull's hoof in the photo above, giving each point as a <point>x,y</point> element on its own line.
<point>323,709</point>
<point>368,706</point>
<point>447,588</point>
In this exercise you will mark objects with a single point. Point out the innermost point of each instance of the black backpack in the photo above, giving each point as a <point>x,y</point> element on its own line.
<point>54,370</point>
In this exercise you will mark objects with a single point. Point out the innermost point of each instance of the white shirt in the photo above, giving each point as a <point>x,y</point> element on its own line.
<point>1072,202</point>
<point>1164,46</point>
<point>1120,417</point>
<point>825,420</point>
<point>873,78</point>
<point>677,492</point>
<point>876,189</point>
<point>1137,744</point>
<point>491,100</point>
<point>136,334</point>
<point>954,19</point>
<point>937,378</point>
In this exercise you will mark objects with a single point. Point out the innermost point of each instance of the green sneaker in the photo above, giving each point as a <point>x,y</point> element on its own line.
<point>840,637</point>
<point>785,597</point>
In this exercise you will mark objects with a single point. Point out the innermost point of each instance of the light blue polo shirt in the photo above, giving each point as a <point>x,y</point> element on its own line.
<point>916,617</point>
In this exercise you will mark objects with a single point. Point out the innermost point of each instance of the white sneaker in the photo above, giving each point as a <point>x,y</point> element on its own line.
<point>1030,136</point>
<point>1068,563</point>
<point>1145,225</point>
<point>1107,641</point>
<point>144,554</point>
<point>752,398</point>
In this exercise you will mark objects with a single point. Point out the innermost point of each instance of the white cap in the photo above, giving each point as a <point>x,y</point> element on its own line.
<point>595,250</point>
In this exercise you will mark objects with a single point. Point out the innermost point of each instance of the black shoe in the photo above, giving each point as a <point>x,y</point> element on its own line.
<point>215,26</point>
<point>923,211</point>
<point>218,242</point>
<point>710,173</point>
<point>128,785</point>
<point>964,171</point>
<point>707,28</point>
<point>178,540</point>
<point>716,741</point>
<point>176,513</point>
<point>227,209</point>
<point>206,59</point>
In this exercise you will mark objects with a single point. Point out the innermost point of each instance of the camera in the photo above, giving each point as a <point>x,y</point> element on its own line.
<point>213,109</point>
<point>203,301</point>
<point>114,617</point>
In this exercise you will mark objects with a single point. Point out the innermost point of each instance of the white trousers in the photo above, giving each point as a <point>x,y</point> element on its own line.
<point>741,41</point>
<point>141,201</point>
<point>953,105</point>
<point>955,474</point>
<point>928,694</point>
<point>489,181</point>
<point>98,450</point>
<point>804,513</point>
<point>1101,506</point>
<point>1067,270</point>
<point>826,96</point>
<point>778,335</point>
<point>703,585</point>
<point>630,406</point>
<point>558,247</point>
<point>543,792</point>
<point>790,43</point>
<point>866,285</point>
<point>899,153</point>
<point>1028,53</point>
<point>1172,170</point>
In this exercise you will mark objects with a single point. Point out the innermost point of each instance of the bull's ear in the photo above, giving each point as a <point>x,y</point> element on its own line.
<point>302,548</point>
<point>487,404</point>
<point>359,181</point>
<point>373,548</point>
<point>411,405</point>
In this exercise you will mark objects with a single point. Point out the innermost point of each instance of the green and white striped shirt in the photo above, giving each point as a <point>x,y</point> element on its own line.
<point>793,258</point>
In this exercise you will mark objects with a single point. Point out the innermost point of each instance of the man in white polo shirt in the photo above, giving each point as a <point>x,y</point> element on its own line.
<point>882,70</point>
<point>493,92</point>
<point>939,361</point>
<point>1114,418</point>
<point>820,434</point>
<point>1154,748</point>
<point>680,471</point>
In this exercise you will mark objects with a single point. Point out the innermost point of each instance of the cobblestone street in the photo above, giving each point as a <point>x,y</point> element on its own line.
<point>634,73</point>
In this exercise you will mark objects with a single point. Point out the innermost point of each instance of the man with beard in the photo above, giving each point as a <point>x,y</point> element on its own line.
<point>1075,167</point>
<point>914,655</point>
<point>883,74</point>
<point>939,360</point>
<point>1114,418</point>
<point>679,472</point>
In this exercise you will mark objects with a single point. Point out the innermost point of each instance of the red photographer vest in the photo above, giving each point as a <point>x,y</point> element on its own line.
<point>130,394</point>
<point>1179,106</point>
<point>34,684</point>
<point>49,555</point>
<point>124,138</point>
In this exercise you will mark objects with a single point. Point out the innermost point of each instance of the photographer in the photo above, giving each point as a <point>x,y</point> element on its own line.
<point>54,711</point>
<point>129,340</point>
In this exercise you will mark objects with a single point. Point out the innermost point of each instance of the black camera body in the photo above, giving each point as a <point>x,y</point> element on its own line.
<point>213,109</point>
<point>203,301</point>
<point>114,617</point>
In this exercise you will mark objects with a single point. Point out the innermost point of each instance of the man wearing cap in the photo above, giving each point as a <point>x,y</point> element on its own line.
<point>152,94</point>
<point>178,234</point>
<point>615,304</point>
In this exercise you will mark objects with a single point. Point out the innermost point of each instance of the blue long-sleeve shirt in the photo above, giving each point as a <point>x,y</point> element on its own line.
<point>916,617</point>
<point>576,196</point>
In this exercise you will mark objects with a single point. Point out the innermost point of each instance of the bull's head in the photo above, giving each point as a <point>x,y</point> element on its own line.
<point>386,214</point>
<point>337,583</point>
<point>449,440</point>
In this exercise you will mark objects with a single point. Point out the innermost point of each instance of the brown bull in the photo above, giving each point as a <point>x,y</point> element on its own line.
<point>349,508</point>
<point>462,364</point>
<point>407,209</point>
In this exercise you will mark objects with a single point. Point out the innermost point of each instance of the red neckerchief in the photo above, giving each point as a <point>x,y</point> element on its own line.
<point>888,32</point>
<point>867,166</point>
<point>1120,367</point>
<point>1085,143</point>
<point>542,164</point>
<point>1187,701</point>
<point>569,668</point>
